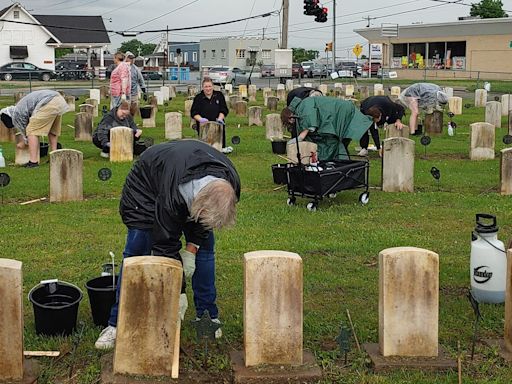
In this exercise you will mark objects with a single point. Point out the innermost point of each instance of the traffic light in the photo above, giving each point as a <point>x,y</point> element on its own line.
<point>321,15</point>
<point>310,7</point>
<point>328,47</point>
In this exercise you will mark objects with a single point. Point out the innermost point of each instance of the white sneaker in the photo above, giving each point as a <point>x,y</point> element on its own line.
<point>218,332</point>
<point>363,152</point>
<point>107,338</point>
<point>104,154</point>
<point>227,150</point>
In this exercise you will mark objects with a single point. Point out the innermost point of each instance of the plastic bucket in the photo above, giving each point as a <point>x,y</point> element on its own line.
<point>102,295</point>
<point>279,173</point>
<point>55,307</point>
<point>279,147</point>
<point>145,112</point>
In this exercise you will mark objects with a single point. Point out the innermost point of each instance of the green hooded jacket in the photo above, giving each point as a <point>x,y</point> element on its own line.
<point>329,121</point>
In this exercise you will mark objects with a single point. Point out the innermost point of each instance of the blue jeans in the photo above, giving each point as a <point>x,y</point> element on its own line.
<point>203,280</point>
<point>138,243</point>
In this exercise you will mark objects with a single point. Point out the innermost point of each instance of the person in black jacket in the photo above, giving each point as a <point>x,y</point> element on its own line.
<point>117,117</point>
<point>210,105</point>
<point>178,188</point>
<point>302,93</point>
<point>383,110</point>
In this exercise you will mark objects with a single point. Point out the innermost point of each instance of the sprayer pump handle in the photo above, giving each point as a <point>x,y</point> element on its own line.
<point>485,216</point>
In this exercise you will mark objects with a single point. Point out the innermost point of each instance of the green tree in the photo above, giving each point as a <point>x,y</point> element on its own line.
<point>134,45</point>
<point>59,52</point>
<point>487,9</point>
<point>301,54</point>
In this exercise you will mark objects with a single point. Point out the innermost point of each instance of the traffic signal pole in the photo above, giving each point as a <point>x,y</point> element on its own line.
<point>284,32</point>
<point>333,35</point>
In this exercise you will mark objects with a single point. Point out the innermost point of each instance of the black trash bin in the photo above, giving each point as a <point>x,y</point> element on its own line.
<point>102,295</point>
<point>55,306</point>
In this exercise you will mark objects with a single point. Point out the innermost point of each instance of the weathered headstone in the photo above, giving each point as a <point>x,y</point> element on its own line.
<point>338,85</point>
<point>305,149</point>
<point>506,172</point>
<point>87,108</point>
<point>66,175</point>
<point>242,90</point>
<point>164,89</point>
<point>233,99</point>
<point>212,133</point>
<point>493,113</point>
<point>267,92</point>
<point>22,155</point>
<point>188,107</point>
<point>349,90</point>
<point>95,94</point>
<point>280,86</point>
<point>483,136</point>
<point>121,144</point>
<point>255,116</point>
<point>252,92</point>
<point>378,89</point>
<point>323,88</point>
<point>506,104</point>
<point>365,92</point>
<point>6,134</point>
<point>289,85</point>
<point>308,85</point>
<point>172,91</point>
<point>83,126</point>
<point>273,126</point>
<point>281,94</point>
<point>228,88</point>
<point>392,131</point>
<point>173,126</point>
<point>448,91</point>
<point>408,302</point>
<point>152,286</point>
<point>273,308</point>
<point>455,105</point>
<point>94,104</point>
<point>18,96</point>
<point>398,165</point>
<point>241,108</point>
<point>11,318</point>
<point>395,91</point>
<point>480,97</point>
<point>272,103</point>
<point>434,123</point>
<point>151,121</point>
<point>191,90</point>
<point>70,100</point>
<point>104,91</point>
<point>159,97</point>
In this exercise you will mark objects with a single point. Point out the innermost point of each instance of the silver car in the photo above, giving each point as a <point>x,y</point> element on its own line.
<point>228,75</point>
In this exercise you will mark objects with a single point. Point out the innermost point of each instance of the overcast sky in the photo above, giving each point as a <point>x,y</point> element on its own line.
<point>140,15</point>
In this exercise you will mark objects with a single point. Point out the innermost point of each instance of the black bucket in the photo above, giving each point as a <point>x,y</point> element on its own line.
<point>43,148</point>
<point>55,307</point>
<point>279,173</point>
<point>145,112</point>
<point>102,295</point>
<point>279,147</point>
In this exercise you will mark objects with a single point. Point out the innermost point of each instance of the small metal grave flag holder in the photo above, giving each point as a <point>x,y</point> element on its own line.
<point>425,141</point>
<point>507,139</point>
<point>478,317</point>
<point>205,331</point>
<point>436,174</point>
<point>5,179</point>
<point>104,174</point>
<point>343,340</point>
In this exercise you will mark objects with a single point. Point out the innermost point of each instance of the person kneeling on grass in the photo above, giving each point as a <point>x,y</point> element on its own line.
<point>117,117</point>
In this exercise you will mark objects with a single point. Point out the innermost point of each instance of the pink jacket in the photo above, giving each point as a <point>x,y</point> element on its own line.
<point>120,80</point>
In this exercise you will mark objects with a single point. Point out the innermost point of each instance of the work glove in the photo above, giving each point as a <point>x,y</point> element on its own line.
<point>183,305</point>
<point>123,97</point>
<point>220,121</point>
<point>203,120</point>
<point>189,262</point>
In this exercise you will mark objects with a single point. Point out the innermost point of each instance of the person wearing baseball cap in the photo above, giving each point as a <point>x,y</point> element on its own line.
<point>136,81</point>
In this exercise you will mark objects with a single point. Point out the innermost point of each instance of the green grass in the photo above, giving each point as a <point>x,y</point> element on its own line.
<point>339,245</point>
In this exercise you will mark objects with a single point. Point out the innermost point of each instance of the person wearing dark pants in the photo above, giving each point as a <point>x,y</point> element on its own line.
<point>382,110</point>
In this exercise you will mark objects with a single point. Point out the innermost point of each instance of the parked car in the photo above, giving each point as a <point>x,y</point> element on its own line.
<point>229,75</point>
<point>297,70</point>
<point>268,71</point>
<point>25,71</point>
<point>375,68</point>
<point>307,66</point>
<point>73,70</point>
<point>318,70</point>
<point>151,75</point>
<point>348,66</point>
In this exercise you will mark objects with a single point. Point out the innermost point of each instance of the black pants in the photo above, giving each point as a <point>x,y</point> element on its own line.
<point>365,139</point>
<point>138,147</point>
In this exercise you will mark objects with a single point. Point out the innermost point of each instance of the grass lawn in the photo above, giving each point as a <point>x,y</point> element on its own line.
<point>339,245</point>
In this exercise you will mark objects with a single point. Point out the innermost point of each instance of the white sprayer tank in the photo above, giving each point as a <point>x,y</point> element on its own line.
<point>488,262</point>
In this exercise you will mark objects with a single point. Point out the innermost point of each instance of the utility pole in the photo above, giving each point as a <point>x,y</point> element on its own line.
<point>166,54</point>
<point>284,32</point>
<point>333,35</point>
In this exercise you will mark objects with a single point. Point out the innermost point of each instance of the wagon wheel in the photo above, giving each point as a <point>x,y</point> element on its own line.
<point>312,206</point>
<point>364,198</point>
<point>291,201</point>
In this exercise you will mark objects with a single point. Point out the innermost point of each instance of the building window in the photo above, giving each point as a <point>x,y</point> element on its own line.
<point>213,53</point>
<point>18,51</point>
<point>223,53</point>
<point>436,55</point>
<point>16,14</point>
<point>204,53</point>
<point>185,59</point>
<point>265,54</point>
<point>417,52</point>
<point>194,56</point>
<point>240,53</point>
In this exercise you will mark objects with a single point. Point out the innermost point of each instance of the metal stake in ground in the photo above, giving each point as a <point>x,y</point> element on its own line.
<point>478,316</point>
<point>5,179</point>
<point>425,141</point>
<point>104,174</point>
<point>205,330</point>
<point>343,340</point>
<point>436,174</point>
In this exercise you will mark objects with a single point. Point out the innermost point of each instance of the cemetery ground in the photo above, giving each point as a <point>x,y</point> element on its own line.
<point>339,245</point>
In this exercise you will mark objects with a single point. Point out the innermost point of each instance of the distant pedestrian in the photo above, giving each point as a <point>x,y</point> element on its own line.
<point>137,80</point>
<point>120,81</point>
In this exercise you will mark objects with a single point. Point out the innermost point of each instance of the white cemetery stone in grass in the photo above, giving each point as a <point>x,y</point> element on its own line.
<point>392,131</point>
<point>173,126</point>
<point>165,92</point>
<point>192,90</point>
<point>211,133</point>
<point>364,92</point>
<point>493,113</point>
<point>228,88</point>
<point>408,302</point>
<point>149,317</point>
<point>308,85</point>
<point>18,96</point>
<point>377,88</point>
<point>281,95</point>
<point>295,86</point>
<point>506,172</point>
<point>280,86</point>
<point>273,126</point>
<point>338,85</point>
<point>242,90</point>
<point>448,91</point>
<point>506,104</point>
<point>289,85</point>
<point>22,156</point>
<point>305,149</point>
<point>483,136</point>
<point>83,126</point>
<point>267,92</point>
<point>188,107</point>
<point>11,318</point>
<point>240,108</point>
<point>252,92</point>
<point>273,308</point>
<point>94,103</point>
<point>95,94</point>
<point>255,116</point>
<point>395,91</point>
<point>172,91</point>
<point>455,105</point>
<point>121,144</point>
<point>233,99</point>
<point>323,88</point>
<point>70,100</point>
<point>217,88</point>
<point>159,97</point>
<point>272,103</point>
<point>6,134</point>
<point>151,121</point>
<point>104,91</point>
<point>480,97</point>
<point>66,175</point>
<point>87,108</point>
<point>398,165</point>
<point>349,90</point>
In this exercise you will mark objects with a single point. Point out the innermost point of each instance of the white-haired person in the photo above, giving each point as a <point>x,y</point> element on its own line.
<point>137,81</point>
<point>37,114</point>
<point>422,97</point>
<point>178,188</point>
<point>120,81</point>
